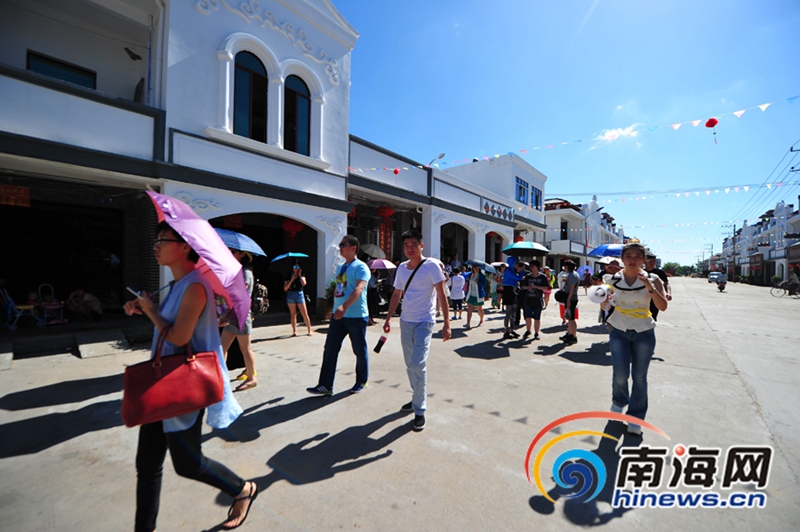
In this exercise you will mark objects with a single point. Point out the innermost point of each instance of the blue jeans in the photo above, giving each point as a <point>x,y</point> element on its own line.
<point>631,353</point>
<point>416,341</point>
<point>356,328</point>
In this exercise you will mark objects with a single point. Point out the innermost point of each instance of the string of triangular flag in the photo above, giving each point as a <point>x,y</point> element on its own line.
<point>607,135</point>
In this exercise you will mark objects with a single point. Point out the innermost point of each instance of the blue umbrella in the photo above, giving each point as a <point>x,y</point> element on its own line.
<point>482,265</point>
<point>290,256</point>
<point>526,249</point>
<point>607,250</point>
<point>235,240</point>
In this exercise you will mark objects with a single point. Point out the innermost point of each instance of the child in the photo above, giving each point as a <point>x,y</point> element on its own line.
<point>457,293</point>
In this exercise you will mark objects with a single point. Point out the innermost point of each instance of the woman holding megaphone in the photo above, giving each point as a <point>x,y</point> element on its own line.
<point>632,335</point>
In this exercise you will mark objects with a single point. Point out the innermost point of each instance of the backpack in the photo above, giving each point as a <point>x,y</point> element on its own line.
<point>259,303</point>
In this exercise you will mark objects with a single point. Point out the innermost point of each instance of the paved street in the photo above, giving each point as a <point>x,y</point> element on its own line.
<point>725,373</point>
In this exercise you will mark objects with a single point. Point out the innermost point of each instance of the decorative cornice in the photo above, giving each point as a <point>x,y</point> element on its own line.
<point>197,204</point>
<point>480,228</point>
<point>250,11</point>
<point>335,224</point>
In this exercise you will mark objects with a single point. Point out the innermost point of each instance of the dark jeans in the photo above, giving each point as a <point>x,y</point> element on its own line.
<point>510,299</point>
<point>356,328</point>
<point>188,460</point>
<point>372,302</point>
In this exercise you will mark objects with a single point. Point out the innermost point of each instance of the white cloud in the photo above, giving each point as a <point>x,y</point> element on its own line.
<point>610,135</point>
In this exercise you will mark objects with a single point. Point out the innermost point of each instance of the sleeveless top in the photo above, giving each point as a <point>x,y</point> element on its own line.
<point>204,338</point>
<point>632,309</point>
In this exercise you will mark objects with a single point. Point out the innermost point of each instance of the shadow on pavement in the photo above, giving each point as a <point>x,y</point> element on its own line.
<point>486,351</point>
<point>29,436</point>
<point>248,426</point>
<point>299,464</point>
<point>61,393</point>
<point>598,511</point>
<point>454,333</point>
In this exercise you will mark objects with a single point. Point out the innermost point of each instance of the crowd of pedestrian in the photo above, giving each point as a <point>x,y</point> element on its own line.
<point>633,295</point>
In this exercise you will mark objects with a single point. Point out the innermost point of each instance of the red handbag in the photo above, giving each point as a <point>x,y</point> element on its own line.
<point>171,386</point>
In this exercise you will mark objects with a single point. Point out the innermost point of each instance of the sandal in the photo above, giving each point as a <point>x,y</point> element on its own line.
<point>243,376</point>
<point>251,497</point>
<point>246,385</point>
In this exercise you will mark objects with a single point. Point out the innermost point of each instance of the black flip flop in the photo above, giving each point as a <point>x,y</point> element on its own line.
<point>252,498</point>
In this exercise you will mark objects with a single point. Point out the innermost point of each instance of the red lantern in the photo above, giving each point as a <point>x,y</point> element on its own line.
<point>491,234</point>
<point>352,214</point>
<point>292,227</point>
<point>519,239</point>
<point>384,211</point>
<point>396,171</point>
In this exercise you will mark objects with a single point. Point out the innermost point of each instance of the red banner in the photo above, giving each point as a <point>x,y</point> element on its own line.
<point>15,196</point>
<point>385,237</point>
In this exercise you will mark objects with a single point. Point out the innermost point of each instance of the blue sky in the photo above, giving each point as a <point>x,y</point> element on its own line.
<point>474,78</point>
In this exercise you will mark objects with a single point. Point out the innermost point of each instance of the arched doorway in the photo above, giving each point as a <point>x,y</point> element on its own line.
<point>454,242</point>
<point>277,235</point>
<point>494,247</point>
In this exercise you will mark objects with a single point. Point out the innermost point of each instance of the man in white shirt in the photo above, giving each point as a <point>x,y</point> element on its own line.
<point>418,317</point>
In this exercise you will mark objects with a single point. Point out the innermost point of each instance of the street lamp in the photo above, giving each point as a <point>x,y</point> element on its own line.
<point>436,158</point>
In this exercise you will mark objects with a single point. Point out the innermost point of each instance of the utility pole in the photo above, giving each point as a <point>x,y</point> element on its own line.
<point>732,270</point>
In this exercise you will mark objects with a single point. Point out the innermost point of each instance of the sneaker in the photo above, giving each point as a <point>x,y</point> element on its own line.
<point>507,336</point>
<point>419,423</point>
<point>616,409</point>
<point>536,336</point>
<point>527,333</point>
<point>564,338</point>
<point>514,334</point>
<point>319,390</point>
<point>571,340</point>
<point>358,387</point>
<point>408,407</point>
<point>632,429</point>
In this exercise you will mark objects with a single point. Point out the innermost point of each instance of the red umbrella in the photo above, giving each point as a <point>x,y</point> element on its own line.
<point>216,263</point>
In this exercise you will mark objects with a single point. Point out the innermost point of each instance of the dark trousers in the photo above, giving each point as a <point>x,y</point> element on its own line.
<point>510,299</point>
<point>356,329</point>
<point>654,310</point>
<point>188,460</point>
<point>372,302</point>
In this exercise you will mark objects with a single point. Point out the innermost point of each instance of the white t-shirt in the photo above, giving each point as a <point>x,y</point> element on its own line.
<point>457,289</point>
<point>419,303</point>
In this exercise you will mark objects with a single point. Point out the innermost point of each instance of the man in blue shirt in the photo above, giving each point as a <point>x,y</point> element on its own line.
<point>511,277</point>
<point>349,318</point>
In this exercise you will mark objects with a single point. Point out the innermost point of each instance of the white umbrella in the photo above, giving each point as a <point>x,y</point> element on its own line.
<point>373,251</point>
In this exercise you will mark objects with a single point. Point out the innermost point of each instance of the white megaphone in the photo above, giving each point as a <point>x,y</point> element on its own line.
<point>599,293</point>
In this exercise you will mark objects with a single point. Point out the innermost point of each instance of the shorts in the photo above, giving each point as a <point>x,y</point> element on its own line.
<point>458,304</point>
<point>532,312</point>
<point>475,301</point>
<point>233,328</point>
<point>295,297</point>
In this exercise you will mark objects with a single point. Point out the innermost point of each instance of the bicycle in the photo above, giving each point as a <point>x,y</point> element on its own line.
<point>782,288</point>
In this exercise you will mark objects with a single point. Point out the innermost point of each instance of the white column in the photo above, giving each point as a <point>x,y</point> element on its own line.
<point>432,231</point>
<point>275,112</point>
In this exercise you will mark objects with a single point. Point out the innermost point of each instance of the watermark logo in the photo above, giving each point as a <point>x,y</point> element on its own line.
<point>568,470</point>
<point>641,471</point>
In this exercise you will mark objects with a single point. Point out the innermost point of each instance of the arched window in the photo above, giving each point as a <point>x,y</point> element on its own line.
<point>297,116</point>
<point>250,98</point>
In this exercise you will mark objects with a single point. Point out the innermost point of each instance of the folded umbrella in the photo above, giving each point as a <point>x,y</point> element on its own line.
<point>216,263</point>
<point>235,240</point>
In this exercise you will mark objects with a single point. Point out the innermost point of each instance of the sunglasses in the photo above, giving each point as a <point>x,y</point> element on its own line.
<point>159,241</point>
<point>344,245</point>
